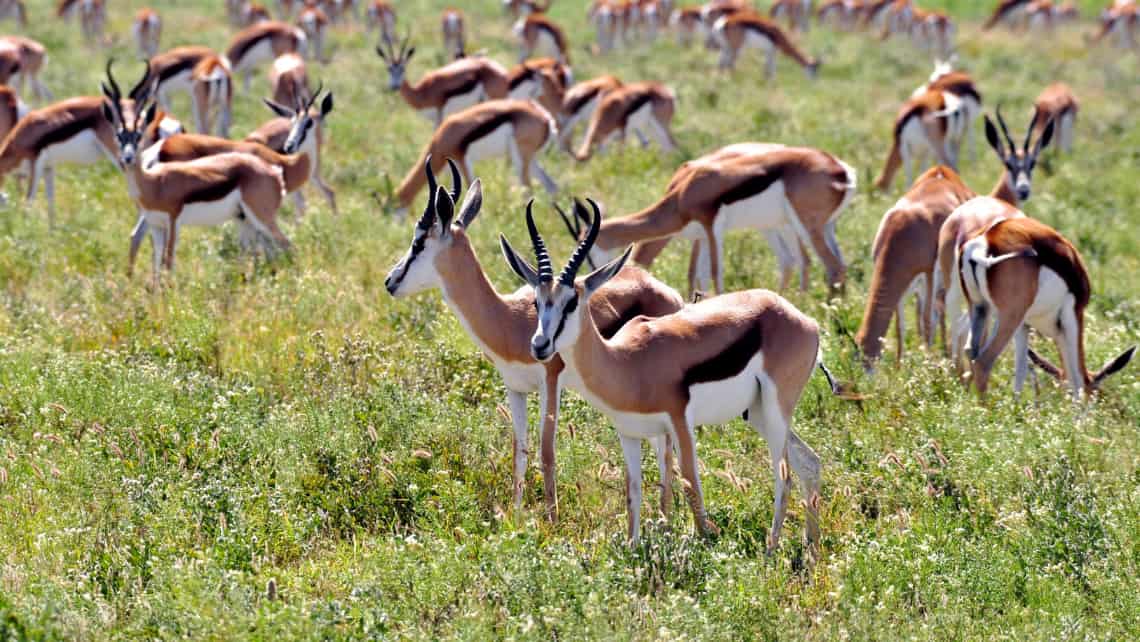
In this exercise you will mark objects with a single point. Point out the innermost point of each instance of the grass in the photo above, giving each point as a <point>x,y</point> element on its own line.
<point>282,450</point>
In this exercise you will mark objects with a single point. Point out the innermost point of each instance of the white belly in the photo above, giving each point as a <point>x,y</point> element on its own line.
<point>82,148</point>
<point>176,83</point>
<point>255,55</point>
<point>547,42</point>
<point>1052,295</point>
<point>459,102</point>
<point>757,41</point>
<point>211,212</point>
<point>526,90</point>
<point>639,119</point>
<point>718,402</point>
<point>492,145</point>
<point>693,231</point>
<point>763,211</point>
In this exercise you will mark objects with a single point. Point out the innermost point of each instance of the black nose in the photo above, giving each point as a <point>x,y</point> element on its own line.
<point>391,285</point>
<point>1023,193</point>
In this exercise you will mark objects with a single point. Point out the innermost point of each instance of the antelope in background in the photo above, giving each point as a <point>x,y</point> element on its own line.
<point>514,128</point>
<point>299,130</point>
<point>381,16</point>
<point>451,24</point>
<point>147,31</point>
<point>1057,104</point>
<point>1121,18</point>
<point>524,8</point>
<point>211,96</point>
<point>686,21</point>
<point>736,32</point>
<point>289,80</point>
<point>747,353</point>
<point>645,109</point>
<point>796,12</point>
<point>15,10</point>
<point>441,255</point>
<point>961,86</point>
<point>537,32</point>
<point>794,195</point>
<point>543,80</point>
<point>92,17</point>
<point>931,124</point>
<point>447,90</point>
<point>580,103</point>
<point>29,57</point>
<point>253,13</point>
<point>260,43</point>
<point>315,24</point>
<point>1009,12</point>
<point>843,14</point>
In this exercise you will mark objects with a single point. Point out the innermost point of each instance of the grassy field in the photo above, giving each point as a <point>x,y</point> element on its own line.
<point>266,451</point>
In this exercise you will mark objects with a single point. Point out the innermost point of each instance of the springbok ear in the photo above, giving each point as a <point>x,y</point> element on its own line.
<point>1046,137</point>
<point>992,138</point>
<point>444,211</point>
<point>380,52</point>
<point>409,55</point>
<point>327,105</point>
<point>472,203</point>
<point>279,109</point>
<point>109,114</point>
<point>525,270</point>
<point>598,277</point>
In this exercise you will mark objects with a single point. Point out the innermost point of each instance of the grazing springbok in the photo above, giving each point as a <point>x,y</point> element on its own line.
<point>736,32</point>
<point>931,124</point>
<point>972,217</point>
<point>843,14</point>
<point>686,21</point>
<point>933,30</point>
<point>147,31</point>
<point>793,195</point>
<point>442,256</point>
<point>381,16</point>
<point>543,80</point>
<point>340,10</point>
<point>204,75</point>
<point>905,256</point>
<point>537,32</point>
<point>29,57</point>
<point>580,103</point>
<point>92,17</point>
<point>1123,20</point>
<point>524,8</point>
<point>517,129</point>
<point>206,191</point>
<point>451,25</point>
<point>644,108</point>
<point>1010,12</point>
<point>796,12</point>
<point>961,86</point>
<point>261,43</point>
<point>747,353</point>
<point>1057,104</point>
<point>607,18</point>
<point>253,13</point>
<point>1021,273</point>
<point>447,90</point>
<point>15,10</point>
<point>289,80</point>
<point>299,131</point>
<point>315,24</point>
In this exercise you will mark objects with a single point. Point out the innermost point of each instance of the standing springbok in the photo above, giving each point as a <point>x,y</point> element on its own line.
<point>92,17</point>
<point>262,43</point>
<point>147,31</point>
<point>299,131</point>
<point>1023,273</point>
<point>15,10</point>
<point>644,108</point>
<point>796,12</point>
<point>749,353</point>
<point>289,80</point>
<point>536,32</point>
<point>515,128</point>
<point>30,56</point>
<point>315,24</point>
<point>381,16</point>
<point>975,215</point>
<point>447,90</point>
<point>905,256</point>
<point>793,194</point>
<point>960,85</point>
<point>1007,11</point>
<point>736,32</point>
<point>211,96</point>
<point>580,103</point>
<point>451,24</point>
<point>929,125</point>
<point>1057,104</point>
<point>686,21</point>
<point>206,191</point>
<point>442,256</point>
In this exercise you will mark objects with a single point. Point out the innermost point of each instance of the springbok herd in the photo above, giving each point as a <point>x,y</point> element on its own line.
<point>982,270</point>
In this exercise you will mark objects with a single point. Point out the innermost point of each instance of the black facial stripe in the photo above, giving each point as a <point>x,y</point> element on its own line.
<point>417,247</point>
<point>571,305</point>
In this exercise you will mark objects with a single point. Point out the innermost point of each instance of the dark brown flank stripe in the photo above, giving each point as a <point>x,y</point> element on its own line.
<point>963,89</point>
<point>637,103</point>
<point>467,87</point>
<point>214,191</point>
<point>185,64</point>
<point>910,113</point>
<point>729,362</point>
<point>486,128</point>
<point>751,186</point>
<point>87,119</point>
<point>238,51</point>
<point>580,101</point>
<point>526,74</point>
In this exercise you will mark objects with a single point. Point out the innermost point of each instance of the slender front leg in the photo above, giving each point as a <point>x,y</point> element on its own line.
<point>631,448</point>
<point>663,446</point>
<point>49,192</point>
<point>548,399</point>
<point>517,402</point>
<point>687,445</point>
<point>136,241</point>
<point>1020,358</point>
<point>298,205</point>
<point>171,243</point>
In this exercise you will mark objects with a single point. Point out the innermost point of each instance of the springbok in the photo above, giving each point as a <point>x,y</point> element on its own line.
<point>934,30</point>
<point>253,13</point>
<point>536,32</point>
<point>735,32</point>
<point>1123,20</point>
<point>447,90</point>
<point>451,24</point>
<point>147,31</point>
<point>30,56</point>
<point>1057,104</point>
<point>1023,273</point>
<point>580,103</point>
<point>644,108</point>
<point>543,80</point>
<point>15,10</point>
<point>1007,11</point>
<point>340,10</point>
<point>686,21</point>
<point>260,43</point>
<point>905,256</point>
<point>960,85</point>
<point>796,12</point>
<point>793,194</point>
<point>975,215</point>
<point>92,17</point>
<point>843,14</point>
<point>442,256</point>
<point>315,24</point>
<point>207,191</point>
<point>381,16</point>
<point>524,8</point>
<point>931,124</point>
<point>515,128</point>
<point>289,80</point>
<point>299,131</point>
<point>747,353</point>
<point>201,73</point>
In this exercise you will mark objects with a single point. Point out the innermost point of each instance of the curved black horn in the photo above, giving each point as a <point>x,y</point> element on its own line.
<point>429,211</point>
<point>456,181</point>
<point>141,91</point>
<point>115,95</point>
<point>316,94</point>
<point>545,270</point>
<point>572,225</point>
<point>1032,124</point>
<point>584,247</point>
<point>1005,131</point>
